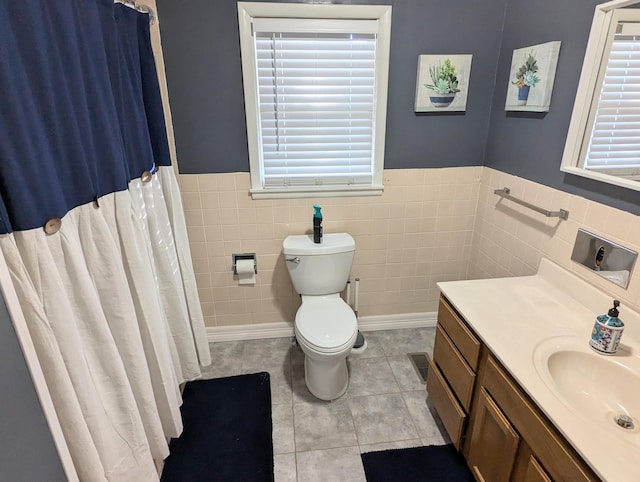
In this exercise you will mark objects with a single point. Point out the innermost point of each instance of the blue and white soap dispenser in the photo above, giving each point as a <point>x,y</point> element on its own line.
<point>607,331</point>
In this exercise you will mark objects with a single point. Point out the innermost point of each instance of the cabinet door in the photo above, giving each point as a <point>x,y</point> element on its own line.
<point>535,472</point>
<point>494,442</point>
<point>549,447</point>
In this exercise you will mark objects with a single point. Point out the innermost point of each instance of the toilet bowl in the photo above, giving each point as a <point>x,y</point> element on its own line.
<point>325,326</point>
<point>326,329</point>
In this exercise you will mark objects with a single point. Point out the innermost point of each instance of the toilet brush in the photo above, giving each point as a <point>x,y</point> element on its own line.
<point>360,343</point>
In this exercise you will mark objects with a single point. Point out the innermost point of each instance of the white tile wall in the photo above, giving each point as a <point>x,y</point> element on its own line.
<point>418,232</point>
<point>429,225</point>
<point>510,240</point>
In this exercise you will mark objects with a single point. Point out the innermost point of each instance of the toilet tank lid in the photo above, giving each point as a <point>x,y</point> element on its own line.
<point>303,245</point>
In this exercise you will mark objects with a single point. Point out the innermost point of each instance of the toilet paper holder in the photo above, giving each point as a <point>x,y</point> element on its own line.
<point>237,256</point>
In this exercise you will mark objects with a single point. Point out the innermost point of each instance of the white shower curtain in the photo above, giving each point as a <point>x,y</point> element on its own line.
<point>109,299</point>
<point>111,305</point>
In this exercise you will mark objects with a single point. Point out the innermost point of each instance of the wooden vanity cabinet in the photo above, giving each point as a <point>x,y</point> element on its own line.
<point>452,371</point>
<point>503,435</point>
<point>553,456</point>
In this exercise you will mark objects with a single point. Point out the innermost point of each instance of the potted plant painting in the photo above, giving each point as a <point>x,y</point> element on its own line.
<point>444,84</point>
<point>526,78</point>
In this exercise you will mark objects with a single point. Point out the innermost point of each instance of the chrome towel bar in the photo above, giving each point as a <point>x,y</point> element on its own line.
<point>505,193</point>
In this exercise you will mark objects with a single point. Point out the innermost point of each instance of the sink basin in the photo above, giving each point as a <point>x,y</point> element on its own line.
<point>597,387</point>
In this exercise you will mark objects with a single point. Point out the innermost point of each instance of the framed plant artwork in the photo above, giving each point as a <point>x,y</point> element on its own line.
<point>533,70</point>
<point>442,83</point>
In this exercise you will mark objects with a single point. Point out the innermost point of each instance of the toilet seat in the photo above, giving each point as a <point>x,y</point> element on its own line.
<point>303,342</point>
<point>326,324</point>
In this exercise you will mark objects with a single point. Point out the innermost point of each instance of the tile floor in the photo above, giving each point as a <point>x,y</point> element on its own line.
<point>384,407</point>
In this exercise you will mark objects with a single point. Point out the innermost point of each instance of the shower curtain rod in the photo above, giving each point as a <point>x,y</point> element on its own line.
<point>140,8</point>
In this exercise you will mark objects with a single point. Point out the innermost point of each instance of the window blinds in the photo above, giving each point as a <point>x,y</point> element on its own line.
<point>316,82</point>
<point>614,147</point>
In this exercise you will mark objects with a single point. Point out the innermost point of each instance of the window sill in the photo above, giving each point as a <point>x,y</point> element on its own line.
<point>598,176</point>
<point>309,192</point>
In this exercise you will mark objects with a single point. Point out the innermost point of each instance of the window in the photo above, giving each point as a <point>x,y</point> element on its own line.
<point>315,83</point>
<point>614,144</point>
<point>603,141</point>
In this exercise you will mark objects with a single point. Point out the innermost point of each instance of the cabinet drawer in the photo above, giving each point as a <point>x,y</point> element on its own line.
<point>548,446</point>
<point>454,368</point>
<point>446,404</point>
<point>462,337</point>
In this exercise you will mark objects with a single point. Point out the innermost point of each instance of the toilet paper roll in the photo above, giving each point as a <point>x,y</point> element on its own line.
<point>246,271</point>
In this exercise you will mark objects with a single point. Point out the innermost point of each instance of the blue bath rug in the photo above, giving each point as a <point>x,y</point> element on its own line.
<point>227,432</point>
<point>436,463</point>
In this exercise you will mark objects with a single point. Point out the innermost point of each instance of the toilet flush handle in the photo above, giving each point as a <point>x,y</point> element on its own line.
<point>295,260</point>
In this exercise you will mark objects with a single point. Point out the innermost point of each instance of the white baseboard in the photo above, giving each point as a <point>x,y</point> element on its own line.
<point>283,328</point>
<point>403,320</point>
<point>249,332</point>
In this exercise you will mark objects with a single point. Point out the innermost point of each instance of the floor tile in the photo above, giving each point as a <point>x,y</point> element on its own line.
<point>323,425</point>
<point>371,376</point>
<point>428,426</point>
<point>405,373</point>
<point>410,340</point>
<point>343,465</point>
<point>226,359</point>
<point>281,385</point>
<point>399,444</point>
<point>373,349</point>
<point>315,440</point>
<point>382,418</point>
<point>269,353</point>
<point>283,436</point>
<point>284,468</point>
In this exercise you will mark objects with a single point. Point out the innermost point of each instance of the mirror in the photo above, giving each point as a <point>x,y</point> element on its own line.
<point>603,141</point>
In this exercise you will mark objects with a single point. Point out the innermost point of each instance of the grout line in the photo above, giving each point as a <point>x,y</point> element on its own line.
<point>415,426</point>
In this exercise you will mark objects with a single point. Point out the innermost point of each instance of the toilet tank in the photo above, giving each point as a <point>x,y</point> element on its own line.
<point>319,269</point>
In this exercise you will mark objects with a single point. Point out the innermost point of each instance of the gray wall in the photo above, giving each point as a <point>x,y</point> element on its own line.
<point>202,57</point>
<point>531,145</point>
<point>27,451</point>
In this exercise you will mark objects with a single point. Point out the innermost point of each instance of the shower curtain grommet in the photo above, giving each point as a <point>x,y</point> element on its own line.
<point>52,226</point>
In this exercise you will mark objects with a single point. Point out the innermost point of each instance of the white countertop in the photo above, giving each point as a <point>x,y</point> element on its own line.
<point>513,316</point>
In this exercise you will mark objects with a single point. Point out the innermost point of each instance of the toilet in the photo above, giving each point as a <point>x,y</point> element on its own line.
<point>326,327</point>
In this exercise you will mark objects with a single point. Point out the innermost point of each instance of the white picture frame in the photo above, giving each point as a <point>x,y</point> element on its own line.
<point>430,100</point>
<point>530,90</point>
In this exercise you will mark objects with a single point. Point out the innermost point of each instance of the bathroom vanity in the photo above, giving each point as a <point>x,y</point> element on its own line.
<point>515,383</point>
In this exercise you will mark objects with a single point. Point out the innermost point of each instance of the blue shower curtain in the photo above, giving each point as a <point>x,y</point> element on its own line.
<point>92,230</point>
<point>81,108</point>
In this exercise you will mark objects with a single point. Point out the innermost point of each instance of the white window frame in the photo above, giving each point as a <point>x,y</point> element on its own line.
<point>247,11</point>
<point>596,58</point>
